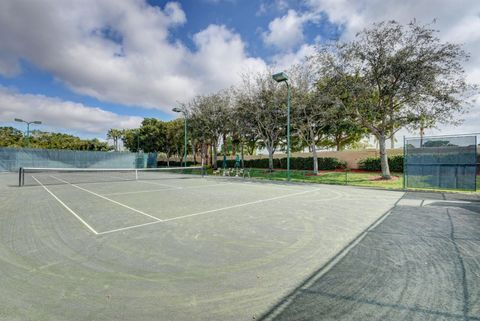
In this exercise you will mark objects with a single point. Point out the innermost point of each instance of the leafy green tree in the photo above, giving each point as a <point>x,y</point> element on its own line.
<point>131,139</point>
<point>152,135</point>
<point>174,138</point>
<point>47,140</point>
<point>10,137</point>
<point>342,127</point>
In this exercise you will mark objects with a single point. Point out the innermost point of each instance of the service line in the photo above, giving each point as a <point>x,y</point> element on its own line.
<point>214,210</point>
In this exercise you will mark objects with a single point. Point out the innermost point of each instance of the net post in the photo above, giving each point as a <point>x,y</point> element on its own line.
<point>20,177</point>
<point>476,163</point>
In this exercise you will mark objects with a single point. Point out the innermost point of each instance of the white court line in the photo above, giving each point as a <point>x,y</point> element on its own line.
<point>159,184</point>
<point>68,208</point>
<point>108,199</point>
<point>241,205</point>
<point>127,228</point>
<point>215,210</point>
<point>164,189</point>
<point>270,186</point>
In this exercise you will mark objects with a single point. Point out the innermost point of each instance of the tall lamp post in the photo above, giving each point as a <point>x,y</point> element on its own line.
<point>282,77</point>
<point>36,122</point>
<point>179,110</point>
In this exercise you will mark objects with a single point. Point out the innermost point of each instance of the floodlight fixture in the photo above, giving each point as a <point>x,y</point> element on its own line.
<point>279,77</point>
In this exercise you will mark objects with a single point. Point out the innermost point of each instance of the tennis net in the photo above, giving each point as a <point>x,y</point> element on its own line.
<point>31,176</point>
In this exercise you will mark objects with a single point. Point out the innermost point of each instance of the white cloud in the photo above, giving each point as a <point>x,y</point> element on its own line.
<point>119,51</point>
<point>175,12</point>
<point>285,32</point>
<point>58,114</point>
<point>221,58</point>
<point>284,61</point>
<point>457,21</point>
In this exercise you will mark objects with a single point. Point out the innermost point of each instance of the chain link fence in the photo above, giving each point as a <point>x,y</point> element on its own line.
<point>11,159</point>
<point>441,162</point>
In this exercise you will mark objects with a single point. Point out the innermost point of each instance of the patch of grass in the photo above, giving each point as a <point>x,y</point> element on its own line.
<point>366,179</point>
<point>334,177</point>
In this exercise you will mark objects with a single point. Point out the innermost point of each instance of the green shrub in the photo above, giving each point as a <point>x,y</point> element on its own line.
<point>296,163</point>
<point>373,163</point>
<point>174,164</point>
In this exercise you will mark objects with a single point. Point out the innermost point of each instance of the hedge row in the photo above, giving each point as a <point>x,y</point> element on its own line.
<point>174,164</point>
<point>373,163</point>
<point>296,163</point>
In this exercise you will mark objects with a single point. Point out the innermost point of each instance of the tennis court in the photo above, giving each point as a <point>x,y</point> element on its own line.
<point>97,247</point>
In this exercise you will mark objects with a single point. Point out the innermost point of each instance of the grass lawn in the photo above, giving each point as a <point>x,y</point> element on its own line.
<point>332,177</point>
<point>357,178</point>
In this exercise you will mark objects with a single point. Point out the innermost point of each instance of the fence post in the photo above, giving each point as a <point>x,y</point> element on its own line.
<point>404,164</point>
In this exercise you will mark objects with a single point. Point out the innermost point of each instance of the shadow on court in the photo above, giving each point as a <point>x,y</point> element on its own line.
<point>422,262</point>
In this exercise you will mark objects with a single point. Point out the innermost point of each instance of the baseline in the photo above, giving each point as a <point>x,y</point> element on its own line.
<point>68,208</point>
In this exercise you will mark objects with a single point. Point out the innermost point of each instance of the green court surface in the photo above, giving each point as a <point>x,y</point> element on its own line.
<point>173,249</point>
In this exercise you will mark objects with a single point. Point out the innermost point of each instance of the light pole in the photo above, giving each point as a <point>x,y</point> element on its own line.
<point>36,122</point>
<point>138,140</point>
<point>179,110</point>
<point>282,77</point>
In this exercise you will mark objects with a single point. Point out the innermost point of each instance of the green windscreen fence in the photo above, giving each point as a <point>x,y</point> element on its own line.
<point>11,159</point>
<point>446,162</point>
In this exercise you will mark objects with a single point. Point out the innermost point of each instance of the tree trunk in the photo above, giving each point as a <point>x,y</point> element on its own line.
<point>202,153</point>
<point>243,162</point>
<point>214,159</point>
<point>384,157</point>
<point>225,147</point>
<point>270,157</point>
<point>208,150</point>
<point>315,159</point>
<point>194,153</point>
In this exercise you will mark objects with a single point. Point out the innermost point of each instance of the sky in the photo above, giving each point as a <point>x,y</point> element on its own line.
<point>85,66</point>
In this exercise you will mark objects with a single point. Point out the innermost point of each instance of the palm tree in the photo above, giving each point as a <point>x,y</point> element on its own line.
<point>115,135</point>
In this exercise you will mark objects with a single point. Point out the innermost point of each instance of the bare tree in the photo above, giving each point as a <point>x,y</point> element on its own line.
<point>209,119</point>
<point>309,108</point>
<point>261,103</point>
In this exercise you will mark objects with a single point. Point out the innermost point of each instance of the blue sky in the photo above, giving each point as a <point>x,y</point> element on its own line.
<point>85,66</point>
